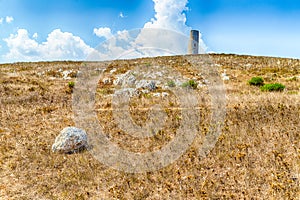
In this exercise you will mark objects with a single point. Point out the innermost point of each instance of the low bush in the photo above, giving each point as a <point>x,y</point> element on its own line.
<point>71,84</point>
<point>256,81</point>
<point>272,87</point>
<point>171,84</point>
<point>190,84</point>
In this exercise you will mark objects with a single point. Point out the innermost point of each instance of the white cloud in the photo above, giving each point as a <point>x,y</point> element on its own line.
<point>122,15</point>
<point>152,40</point>
<point>169,41</point>
<point>103,32</point>
<point>21,46</point>
<point>64,45</point>
<point>58,46</point>
<point>166,34</point>
<point>123,35</point>
<point>9,19</point>
<point>169,15</point>
<point>1,20</point>
<point>35,35</point>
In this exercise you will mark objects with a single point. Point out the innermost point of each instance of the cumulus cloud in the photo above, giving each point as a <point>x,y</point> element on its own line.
<point>35,35</point>
<point>161,31</point>
<point>169,14</point>
<point>21,46</point>
<point>9,19</point>
<point>58,46</point>
<point>103,32</point>
<point>165,34</point>
<point>152,40</point>
<point>65,45</point>
<point>1,20</point>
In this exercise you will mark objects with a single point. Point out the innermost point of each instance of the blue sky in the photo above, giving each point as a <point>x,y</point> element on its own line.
<point>35,30</point>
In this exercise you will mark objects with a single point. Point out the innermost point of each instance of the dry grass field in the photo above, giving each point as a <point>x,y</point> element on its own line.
<point>257,155</point>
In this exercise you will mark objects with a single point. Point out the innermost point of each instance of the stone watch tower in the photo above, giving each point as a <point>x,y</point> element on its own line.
<point>193,42</point>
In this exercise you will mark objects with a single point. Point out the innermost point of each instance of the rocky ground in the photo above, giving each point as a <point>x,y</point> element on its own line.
<point>256,156</point>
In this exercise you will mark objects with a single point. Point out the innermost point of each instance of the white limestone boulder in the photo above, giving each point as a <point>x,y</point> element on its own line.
<point>70,140</point>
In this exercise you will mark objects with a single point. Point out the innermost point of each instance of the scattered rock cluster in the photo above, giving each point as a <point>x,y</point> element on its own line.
<point>140,81</point>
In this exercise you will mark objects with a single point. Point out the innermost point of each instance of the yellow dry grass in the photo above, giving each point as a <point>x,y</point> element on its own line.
<point>256,157</point>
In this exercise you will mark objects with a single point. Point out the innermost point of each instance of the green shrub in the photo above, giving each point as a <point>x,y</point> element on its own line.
<point>190,84</point>
<point>256,81</point>
<point>272,87</point>
<point>171,84</point>
<point>71,84</point>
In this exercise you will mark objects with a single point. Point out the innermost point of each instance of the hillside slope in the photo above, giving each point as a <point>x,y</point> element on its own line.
<point>257,156</point>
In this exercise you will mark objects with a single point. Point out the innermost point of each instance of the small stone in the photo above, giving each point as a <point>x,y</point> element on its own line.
<point>106,81</point>
<point>165,87</point>
<point>160,74</point>
<point>225,77</point>
<point>113,71</point>
<point>66,74</point>
<point>200,85</point>
<point>164,94</point>
<point>205,82</point>
<point>156,95</point>
<point>248,66</point>
<point>145,91</point>
<point>70,140</point>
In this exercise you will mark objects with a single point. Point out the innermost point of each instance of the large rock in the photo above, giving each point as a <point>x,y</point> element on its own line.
<point>126,80</point>
<point>146,84</point>
<point>70,140</point>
